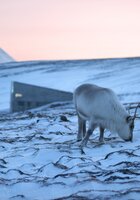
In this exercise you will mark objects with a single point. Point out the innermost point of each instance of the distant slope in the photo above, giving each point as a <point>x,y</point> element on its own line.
<point>4,57</point>
<point>121,75</point>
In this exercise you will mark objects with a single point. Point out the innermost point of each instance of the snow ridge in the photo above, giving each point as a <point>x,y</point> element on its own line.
<point>4,57</point>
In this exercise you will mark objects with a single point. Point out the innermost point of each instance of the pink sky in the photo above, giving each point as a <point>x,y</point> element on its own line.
<point>70,29</point>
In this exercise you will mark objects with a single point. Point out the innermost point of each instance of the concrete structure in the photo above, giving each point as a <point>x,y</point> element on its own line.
<point>25,96</point>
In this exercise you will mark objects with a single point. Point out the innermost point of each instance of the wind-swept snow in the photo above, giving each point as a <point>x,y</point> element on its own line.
<point>39,155</point>
<point>40,159</point>
<point>4,57</point>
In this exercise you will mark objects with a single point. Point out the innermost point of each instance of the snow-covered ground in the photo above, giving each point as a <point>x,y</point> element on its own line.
<point>122,75</point>
<point>40,158</point>
<point>4,57</point>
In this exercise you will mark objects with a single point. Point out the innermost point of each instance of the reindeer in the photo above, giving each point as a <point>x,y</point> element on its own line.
<point>101,108</point>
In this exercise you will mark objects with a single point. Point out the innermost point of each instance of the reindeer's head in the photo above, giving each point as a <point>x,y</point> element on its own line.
<point>130,124</point>
<point>130,121</point>
<point>127,131</point>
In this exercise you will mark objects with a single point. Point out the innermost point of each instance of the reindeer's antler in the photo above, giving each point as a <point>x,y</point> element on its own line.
<point>135,113</point>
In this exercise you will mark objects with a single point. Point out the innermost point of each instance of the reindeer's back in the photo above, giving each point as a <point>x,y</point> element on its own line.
<point>93,100</point>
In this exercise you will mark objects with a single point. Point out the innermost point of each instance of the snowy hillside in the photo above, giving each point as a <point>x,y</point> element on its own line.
<point>40,158</point>
<point>4,57</point>
<point>122,75</point>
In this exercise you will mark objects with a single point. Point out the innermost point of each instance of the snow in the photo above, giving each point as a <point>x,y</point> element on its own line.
<point>122,75</point>
<point>40,157</point>
<point>4,57</point>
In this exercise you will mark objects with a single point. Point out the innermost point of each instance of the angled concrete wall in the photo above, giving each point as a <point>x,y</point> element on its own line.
<point>25,96</point>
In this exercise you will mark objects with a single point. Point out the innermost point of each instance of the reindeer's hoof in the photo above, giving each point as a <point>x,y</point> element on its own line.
<point>102,142</point>
<point>82,151</point>
<point>79,139</point>
<point>84,143</point>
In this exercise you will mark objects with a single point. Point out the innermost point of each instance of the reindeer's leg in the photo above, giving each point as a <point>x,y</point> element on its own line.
<point>101,138</point>
<point>88,134</point>
<point>81,125</point>
<point>84,128</point>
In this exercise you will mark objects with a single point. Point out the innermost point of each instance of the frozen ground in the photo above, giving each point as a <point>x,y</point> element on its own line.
<point>41,160</point>
<point>39,156</point>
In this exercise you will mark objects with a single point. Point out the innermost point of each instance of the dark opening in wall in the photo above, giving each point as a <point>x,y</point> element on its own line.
<point>29,104</point>
<point>21,103</point>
